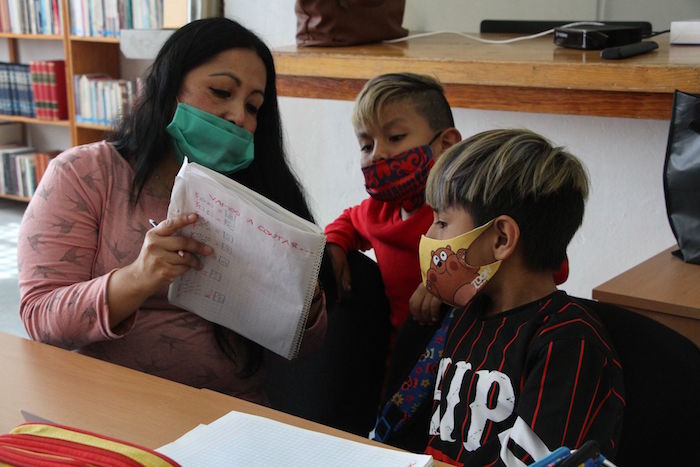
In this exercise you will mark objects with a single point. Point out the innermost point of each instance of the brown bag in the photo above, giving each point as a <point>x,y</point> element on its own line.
<point>348,22</point>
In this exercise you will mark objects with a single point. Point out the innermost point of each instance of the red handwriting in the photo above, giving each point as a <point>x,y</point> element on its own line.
<point>281,240</point>
<point>220,203</point>
<point>260,228</point>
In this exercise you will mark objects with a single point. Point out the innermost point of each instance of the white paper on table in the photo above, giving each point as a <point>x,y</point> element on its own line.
<point>238,438</point>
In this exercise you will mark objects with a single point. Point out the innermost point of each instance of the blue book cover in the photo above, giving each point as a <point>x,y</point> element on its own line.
<point>14,98</point>
<point>24,98</point>
<point>5,104</point>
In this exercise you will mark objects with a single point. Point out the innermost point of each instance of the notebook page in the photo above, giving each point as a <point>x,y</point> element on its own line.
<point>260,279</point>
<point>243,439</point>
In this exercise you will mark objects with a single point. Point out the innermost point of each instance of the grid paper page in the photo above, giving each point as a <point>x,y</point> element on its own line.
<point>242,439</point>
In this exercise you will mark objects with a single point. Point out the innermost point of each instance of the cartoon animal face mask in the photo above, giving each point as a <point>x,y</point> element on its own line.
<point>446,272</point>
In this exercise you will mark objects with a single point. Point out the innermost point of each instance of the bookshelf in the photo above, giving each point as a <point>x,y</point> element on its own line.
<point>82,55</point>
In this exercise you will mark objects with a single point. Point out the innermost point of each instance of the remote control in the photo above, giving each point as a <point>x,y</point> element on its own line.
<point>629,50</point>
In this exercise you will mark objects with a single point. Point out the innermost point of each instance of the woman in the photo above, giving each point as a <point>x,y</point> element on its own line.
<point>94,274</point>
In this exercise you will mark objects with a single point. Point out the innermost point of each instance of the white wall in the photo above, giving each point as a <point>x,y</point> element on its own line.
<point>625,220</point>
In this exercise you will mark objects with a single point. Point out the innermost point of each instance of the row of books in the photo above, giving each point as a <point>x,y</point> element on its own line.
<point>22,168</point>
<point>105,18</point>
<point>102,100</point>
<point>34,90</point>
<point>16,97</point>
<point>31,16</point>
<point>48,79</point>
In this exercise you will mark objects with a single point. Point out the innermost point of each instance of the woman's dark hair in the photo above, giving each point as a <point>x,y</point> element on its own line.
<point>141,137</point>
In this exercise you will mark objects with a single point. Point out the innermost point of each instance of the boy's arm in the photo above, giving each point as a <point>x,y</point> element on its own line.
<point>572,393</point>
<point>347,230</point>
<point>342,236</point>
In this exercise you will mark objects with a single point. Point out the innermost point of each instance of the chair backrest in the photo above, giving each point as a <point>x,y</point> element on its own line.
<point>339,385</point>
<point>662,389</point>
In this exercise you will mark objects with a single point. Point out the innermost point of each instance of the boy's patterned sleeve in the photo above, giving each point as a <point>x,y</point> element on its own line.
<point>345,233</point>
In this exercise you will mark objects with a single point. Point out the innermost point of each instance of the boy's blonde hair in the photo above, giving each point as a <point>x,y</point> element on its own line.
<point>425,93</point>
<point>518,173</point>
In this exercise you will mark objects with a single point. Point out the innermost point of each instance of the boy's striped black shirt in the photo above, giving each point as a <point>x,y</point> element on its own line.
<point>544,372</point>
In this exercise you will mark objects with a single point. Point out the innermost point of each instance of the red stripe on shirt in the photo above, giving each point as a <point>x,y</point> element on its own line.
<point>622,399</point>
<point>588,413</point>
<point>595,414</point>
<point>544,375</point>
<point>573,393</point>
<point>556,326</point>
<point>505,349</point>
<point>440,456</point>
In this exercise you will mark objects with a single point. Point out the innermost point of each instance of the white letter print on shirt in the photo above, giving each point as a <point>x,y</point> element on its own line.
<point>479,409</point>
<point>446,425</point>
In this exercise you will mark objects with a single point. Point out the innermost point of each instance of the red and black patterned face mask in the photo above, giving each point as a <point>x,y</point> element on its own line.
<point>401,178</point>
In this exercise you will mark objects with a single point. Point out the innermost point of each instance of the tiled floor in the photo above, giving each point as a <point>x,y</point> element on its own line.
<point>10,218</point>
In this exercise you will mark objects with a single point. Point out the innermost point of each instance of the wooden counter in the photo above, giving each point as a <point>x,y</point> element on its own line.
<point>527,76</point>
<point>663,288</point>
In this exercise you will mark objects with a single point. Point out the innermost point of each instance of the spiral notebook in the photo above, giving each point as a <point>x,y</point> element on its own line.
<point>260,280</point>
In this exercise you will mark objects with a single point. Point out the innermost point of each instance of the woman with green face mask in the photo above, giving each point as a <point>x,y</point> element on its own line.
<point>94,273</point>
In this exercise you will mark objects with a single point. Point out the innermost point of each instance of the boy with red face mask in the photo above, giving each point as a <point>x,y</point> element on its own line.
<point>403,124</point>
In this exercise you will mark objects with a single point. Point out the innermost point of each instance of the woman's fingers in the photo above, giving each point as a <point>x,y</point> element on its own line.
<point>179,244</point>
<point>163,236</point>
<point>172,224</point>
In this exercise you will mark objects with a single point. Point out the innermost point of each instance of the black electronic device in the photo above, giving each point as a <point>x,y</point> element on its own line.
<point>596,37</point>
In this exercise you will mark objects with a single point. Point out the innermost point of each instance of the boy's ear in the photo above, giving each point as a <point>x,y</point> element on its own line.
<point>449,137</point>
<point>507,237</point>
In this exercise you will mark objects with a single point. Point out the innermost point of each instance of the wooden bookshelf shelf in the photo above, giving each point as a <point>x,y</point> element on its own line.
<point>38,37</point>
<point>23,199</point>
<point>106,40</point>
<point>94,126</point>
<point>37,121</point>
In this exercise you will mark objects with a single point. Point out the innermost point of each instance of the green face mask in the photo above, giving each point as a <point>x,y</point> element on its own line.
<point>209,140</point>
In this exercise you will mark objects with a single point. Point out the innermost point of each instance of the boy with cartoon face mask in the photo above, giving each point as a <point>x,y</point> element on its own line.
<point>525,368</point>
<point>403,123</point>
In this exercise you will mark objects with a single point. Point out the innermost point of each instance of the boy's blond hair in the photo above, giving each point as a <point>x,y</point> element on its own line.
<point>424,92</point>
<point>518,173</point>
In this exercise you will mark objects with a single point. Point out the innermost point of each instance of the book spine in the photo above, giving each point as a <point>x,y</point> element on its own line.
<point>31,175</point>
<point>46,89</point>
<point>61,91</point>
<point>55,17</point>
<point>85,18</point>
<point>24,7</point>
<point>14,108</point>
<point>4,16</point>
<point>28,92</point>
<point>34,74</point>
<point>11,163</point>
<point>39,166</point>
<point>2,173</point>
<point>51,85</point>
<point>5,105</point>
<point>20,174</point>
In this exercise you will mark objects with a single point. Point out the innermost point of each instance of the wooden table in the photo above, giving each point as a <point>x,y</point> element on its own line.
<point>527,76</point>
<point>664,288</point>
<point>80,391</point>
